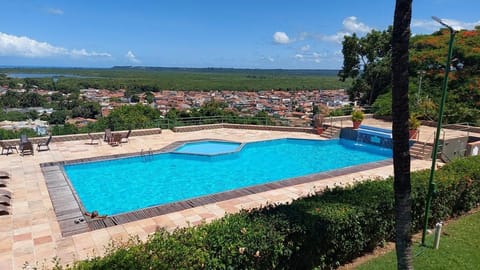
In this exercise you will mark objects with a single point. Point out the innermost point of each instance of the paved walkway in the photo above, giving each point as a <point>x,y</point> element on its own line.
<point>32,234</point>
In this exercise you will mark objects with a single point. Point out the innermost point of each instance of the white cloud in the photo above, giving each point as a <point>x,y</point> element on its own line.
<point>352,25</point>
<point>281,38</point>
<point>432,25</point>
<point>84,52</point>
<point>267,59</point>
<point>11,45</point>
<point>55,11</point>
<point>337,38</point>
<point>313,57</point>
<point>305,48</point>
<point>131,57</point>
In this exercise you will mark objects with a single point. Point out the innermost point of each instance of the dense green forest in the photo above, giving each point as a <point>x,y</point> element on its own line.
<point>142,79</point>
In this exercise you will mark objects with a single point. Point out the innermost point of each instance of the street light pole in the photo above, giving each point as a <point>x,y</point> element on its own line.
<point>420,73</point>
<point>431,185</point>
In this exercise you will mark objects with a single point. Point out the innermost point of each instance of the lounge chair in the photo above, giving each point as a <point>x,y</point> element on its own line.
<point>5,193</point>
<point>3,182</point>
<point>7,149</point>
<point>108,135</point>
<point>4,175</point>
<point>26,146</point>
<point>117,139</point>
<point>4,210</point>
<point>93,140</point>
<point>125,138</point>
<point>44,145</point>
<point>4,201</point>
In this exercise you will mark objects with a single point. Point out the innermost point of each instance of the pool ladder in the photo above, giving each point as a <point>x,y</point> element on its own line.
<point>147,155</point>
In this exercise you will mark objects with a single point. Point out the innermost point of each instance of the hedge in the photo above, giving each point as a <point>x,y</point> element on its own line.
<point>323,231</point>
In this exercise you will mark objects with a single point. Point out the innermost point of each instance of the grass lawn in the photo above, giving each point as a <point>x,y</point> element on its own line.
<point>459,249</point>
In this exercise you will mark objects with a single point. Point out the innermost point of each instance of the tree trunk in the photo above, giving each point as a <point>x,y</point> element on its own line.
<point>400,115</point>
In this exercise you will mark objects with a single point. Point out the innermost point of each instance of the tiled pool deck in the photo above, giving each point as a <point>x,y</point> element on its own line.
<point>32,233</point>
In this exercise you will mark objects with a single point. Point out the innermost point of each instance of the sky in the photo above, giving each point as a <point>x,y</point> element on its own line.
<point>266,34</point>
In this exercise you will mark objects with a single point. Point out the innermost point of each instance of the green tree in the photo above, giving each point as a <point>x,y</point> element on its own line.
<point>149,97</point>
<point>401,154</point>
<point>367,60</point>
<point>132,117</point>
<point>10,99</point>
<point>58,117</point>
<point>32,114</point>
<point>31,100</point>
<point>87,110</point>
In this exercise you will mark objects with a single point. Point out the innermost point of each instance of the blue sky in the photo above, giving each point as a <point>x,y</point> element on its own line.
<point>285,34</point>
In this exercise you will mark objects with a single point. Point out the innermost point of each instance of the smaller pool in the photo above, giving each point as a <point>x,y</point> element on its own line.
<point>208,148</point>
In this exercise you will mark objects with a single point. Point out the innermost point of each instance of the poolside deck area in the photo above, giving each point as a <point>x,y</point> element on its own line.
<point>31,233</point>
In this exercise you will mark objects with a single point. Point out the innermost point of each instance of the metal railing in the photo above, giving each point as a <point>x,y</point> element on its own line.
<point>166,123</point>
<point>465,127</point>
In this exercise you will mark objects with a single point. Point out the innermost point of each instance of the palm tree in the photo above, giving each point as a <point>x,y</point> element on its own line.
<point>400,115</point>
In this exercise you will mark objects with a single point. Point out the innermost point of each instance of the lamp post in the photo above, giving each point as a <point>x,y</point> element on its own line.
<point>431,185</point>
<point>421,73</point>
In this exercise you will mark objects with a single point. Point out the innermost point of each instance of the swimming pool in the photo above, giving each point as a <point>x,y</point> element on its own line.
<point>208,147</point>
<point>126,184</point>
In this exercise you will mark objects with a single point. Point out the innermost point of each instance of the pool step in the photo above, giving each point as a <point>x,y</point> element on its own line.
<point>420,151</point>
<point>330,132</point>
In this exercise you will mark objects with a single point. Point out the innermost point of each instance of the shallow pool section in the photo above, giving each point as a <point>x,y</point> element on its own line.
<point>208,148</point>
<point>127,184</point>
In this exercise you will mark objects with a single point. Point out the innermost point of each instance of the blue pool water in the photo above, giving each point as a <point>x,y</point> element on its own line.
<point>208,147</point>
<point>127,184</point>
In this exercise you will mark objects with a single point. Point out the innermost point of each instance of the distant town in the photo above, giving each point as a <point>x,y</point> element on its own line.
<point>296,106</point>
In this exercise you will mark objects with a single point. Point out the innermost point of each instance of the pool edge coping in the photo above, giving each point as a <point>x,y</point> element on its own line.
<point>73,220</point>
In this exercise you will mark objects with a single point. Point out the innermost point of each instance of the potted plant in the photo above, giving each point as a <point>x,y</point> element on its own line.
<point>357,118</point>
<point>319,117</point>
<point>413,125</point>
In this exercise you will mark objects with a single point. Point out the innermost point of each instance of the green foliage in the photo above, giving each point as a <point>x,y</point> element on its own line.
<point>243,241</point>
<point>13,116</point>
<point>58,117</point>
<point>428,54</point>
<point>413,122</point>
<point>372,53</point>
<point>345,110</point>
<point>358,115</point>
<point>15,134</point>
<point>13,99</point>
<point>87,110</point>
<point>131,117</point>
<point>137,80</point>
<point>64,129</point>
<point>458,249</point>
<point>383,105</point>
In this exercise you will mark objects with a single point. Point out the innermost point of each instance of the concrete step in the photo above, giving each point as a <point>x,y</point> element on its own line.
<point>330,132</point>
<point>421,151</point>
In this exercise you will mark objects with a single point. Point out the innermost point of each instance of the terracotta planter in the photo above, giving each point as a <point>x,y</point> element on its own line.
<point>356,124</point>
<point>412,134</point>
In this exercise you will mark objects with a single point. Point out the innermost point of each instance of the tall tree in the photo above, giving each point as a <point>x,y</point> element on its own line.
<point>367,61</point>
<point>400,114</point>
